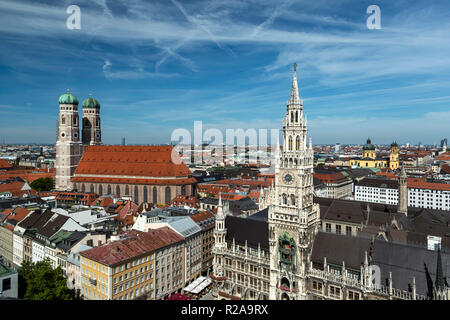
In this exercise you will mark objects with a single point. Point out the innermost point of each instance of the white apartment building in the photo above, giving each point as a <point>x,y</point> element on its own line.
<point>377,190</point>
<point>421,194</point>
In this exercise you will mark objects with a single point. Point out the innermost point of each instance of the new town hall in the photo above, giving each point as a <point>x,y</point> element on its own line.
<point>304,247</point>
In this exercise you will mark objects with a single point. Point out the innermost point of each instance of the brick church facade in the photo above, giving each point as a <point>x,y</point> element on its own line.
<point>153,174</point>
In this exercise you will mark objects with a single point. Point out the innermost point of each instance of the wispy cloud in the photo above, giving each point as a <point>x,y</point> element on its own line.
<point>225,49</point>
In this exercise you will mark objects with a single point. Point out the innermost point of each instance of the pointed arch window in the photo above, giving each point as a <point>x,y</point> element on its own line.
<point>296,116</point>
<point>292,200</point>
<point>118,190</point>
<point>136,194</point>
<point>292,116</point>
<point>183,190</point>
<point>92,188</point>
<point>284,199</point>
<point>290,144</point>
<point>145,194</point>
<point>109,189</point>
<point>63,120</point>
<point>297,143</point>
<point>100,190</point>
<point>155,196</point>
<point>127,190</point>
<point>168,196</point>
<point>82,188</point>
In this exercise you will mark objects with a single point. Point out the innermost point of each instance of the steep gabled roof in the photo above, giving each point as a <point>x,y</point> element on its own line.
<point>133,244</point>
<point>252,230</point>
<point>338,248</point>
<point>132,161</point>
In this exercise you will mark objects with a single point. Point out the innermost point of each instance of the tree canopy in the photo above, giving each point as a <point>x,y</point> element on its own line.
<point>42,184</point>
<point>39,281</point>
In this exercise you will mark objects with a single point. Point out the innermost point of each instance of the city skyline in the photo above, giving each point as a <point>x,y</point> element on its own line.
<point>187,62</point>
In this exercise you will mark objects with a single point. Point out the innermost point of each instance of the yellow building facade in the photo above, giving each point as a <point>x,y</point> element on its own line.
<point>124,281</point>
<point>370,160</point>
<point>124,269</point>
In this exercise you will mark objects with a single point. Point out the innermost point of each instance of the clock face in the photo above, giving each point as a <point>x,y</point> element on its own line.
<point>288,178</point>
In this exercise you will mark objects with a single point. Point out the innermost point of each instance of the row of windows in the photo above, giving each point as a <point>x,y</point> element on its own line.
<point>132,283</point>
<point>334,291</point>
<point>338,229</point>
<point>134,263</point>
<point>168,195</point>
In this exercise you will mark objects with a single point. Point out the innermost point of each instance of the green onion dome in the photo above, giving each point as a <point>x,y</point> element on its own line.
<point>91,103</point>
<point>368,145</point>
<point>68,98</point>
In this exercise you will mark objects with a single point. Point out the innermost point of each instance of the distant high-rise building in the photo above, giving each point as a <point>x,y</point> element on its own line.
<point>444,142</point>
<point>123,141</point>
<point>337,148</point>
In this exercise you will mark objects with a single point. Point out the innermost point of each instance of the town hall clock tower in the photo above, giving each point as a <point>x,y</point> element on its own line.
<point>293,217</point>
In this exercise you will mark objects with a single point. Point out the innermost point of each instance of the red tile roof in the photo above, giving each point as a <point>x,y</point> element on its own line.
<point>134,244</point>
<point>15,188</point>
<point>132,161</point>
<point>445,168</point>
<point>28,174</point>
<point>5,164</point>
<point>330,177</point>
<point>420,183</point>
<point>190,201</point>
<point>202,216</point>
<point>254,195</point>
<point>231,196</point>
<point>84,197</point>
<point>18,214</point>
<point>444,156</point>
<point>388,175</point>
<point>99,179</point>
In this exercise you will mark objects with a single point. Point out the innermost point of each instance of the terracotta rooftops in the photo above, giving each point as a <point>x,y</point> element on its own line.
<point>131,163</point>
<point>5,164</point>
<point>330,177</point>
<point>419,183</point>
<point>132,244</point>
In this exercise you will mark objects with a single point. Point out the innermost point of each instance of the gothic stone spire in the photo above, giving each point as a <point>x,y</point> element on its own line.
<point>295,98</point>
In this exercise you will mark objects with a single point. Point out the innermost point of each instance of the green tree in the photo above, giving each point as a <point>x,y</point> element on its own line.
<point>39,281</point>
<point>42,184</point>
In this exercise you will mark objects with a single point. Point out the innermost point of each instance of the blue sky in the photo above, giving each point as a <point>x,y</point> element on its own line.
<point>159,65</point>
